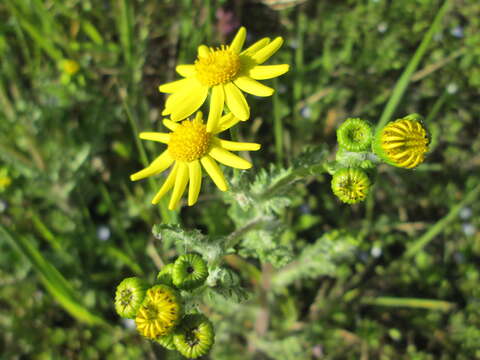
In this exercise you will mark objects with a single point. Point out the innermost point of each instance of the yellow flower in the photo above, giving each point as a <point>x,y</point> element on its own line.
<point>159,313</point>
<point>227,71</point>
<point>5,181</point>
<point>403,142</point>
<point>191,146</point>
<point>70,67</point>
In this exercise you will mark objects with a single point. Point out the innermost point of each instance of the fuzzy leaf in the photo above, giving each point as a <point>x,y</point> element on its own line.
<point>318,259</point>
<point>193,240</point>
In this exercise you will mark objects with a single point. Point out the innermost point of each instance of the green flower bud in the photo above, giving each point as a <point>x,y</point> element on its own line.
<point>195,336</point>
<point>129,296</point>
<point>351,185</point>
<point>189,271</point>
<point>165,275</point>
<point>355,135</point>
<point>403,142</point>
<point>166,341</point>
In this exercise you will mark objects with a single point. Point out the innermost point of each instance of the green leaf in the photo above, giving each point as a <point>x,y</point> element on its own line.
<point>318,259</point>
<point>191,240</point>
<point>225,283</point>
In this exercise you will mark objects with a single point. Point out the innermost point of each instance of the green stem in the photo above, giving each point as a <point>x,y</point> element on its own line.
<point>168,217</point>
<point>436,229</point>
<point>429,304</point>
<point>277,125</point>
<point>436,107</point>
<point>235,237</point>
<point>112,208</point>
<point>294,176</point>
<point>405,79</point>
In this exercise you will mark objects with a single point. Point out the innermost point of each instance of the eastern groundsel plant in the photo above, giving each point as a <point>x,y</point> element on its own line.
<point>168,312</point>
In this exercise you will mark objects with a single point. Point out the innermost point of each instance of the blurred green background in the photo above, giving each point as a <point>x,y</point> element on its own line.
<point>78,81</point>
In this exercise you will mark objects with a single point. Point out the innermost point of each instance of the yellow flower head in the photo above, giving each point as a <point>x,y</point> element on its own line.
<point>227,71</point>
<point>403,142</point>
<point>70,67</point>
<point>191,146</point>
<point>5,182</point>
<point>351,185</point>
<point>159,313</point>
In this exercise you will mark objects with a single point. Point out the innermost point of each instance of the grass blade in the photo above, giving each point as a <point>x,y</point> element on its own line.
<point>406,77</point>
<point>436,229</point>
<point>429,304</point>
<point>53,280</point>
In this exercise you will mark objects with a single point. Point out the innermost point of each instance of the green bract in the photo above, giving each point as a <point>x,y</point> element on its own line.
<point>166,341</point>
<point>165,275</point>
<point>189,271</point>
<point>355,135</point>
<point>195,336</point>
<point>129,296</point>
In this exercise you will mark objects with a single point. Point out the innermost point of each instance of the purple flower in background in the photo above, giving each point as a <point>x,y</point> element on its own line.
<point>227,22</point>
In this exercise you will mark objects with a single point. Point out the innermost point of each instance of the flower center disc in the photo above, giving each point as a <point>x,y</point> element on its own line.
<point>354,189</point>
<point>159,313</point>
<point>405,142</point>
<point>190,141</point>
<point>351,185</point>
<point>218,67</point>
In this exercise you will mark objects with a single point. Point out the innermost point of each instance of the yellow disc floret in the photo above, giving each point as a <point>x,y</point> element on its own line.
<point>190,140</point>
<point>404,142</point>
<point>218,66</point>
<point>159,313</point>
<point>351,185</point>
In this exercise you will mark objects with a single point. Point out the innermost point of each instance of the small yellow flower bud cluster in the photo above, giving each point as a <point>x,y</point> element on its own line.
<point>158,310</point>
<point>402,143</point>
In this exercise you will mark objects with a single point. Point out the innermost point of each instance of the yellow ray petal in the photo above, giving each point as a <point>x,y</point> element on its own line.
<point>236,101</point>
<point>203,51</point>
<point>177,97</point>
<point>186,70</point>
<point>187,104</point>
<point>229,159</point>
<point>155,136</point>
<point>169,124</point>
<point>195,173</point>
<point>167,185</point>
<point>263,72</point>
<point>216,107</point>
<point>238,146</point>
<point>256,46</point>
<point>212,169</point>
<point>157,166</point>
<point>238,40</point>
<point>253,86</point>
<point>264,53</point>
<point>175,86</point>
<point>181,181</point>
<point>226,122</point>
